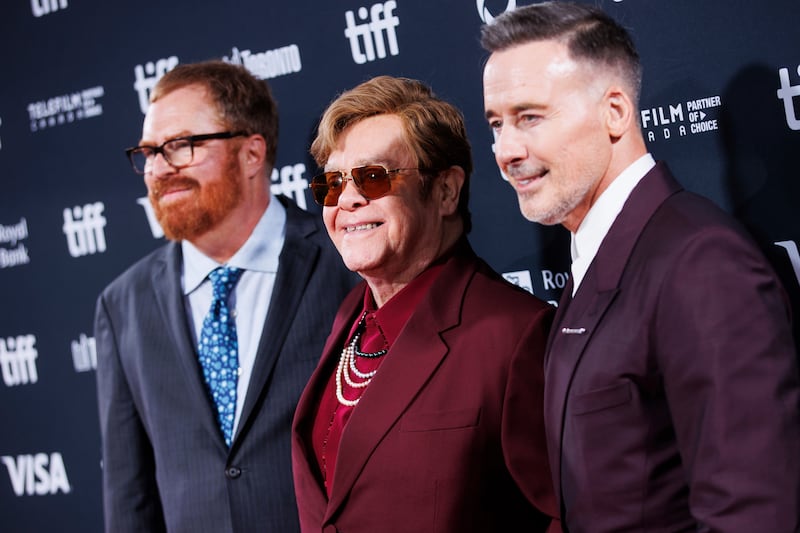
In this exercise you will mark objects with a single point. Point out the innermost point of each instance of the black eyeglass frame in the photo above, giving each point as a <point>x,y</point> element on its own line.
<point>192,139</point>
<point>320,182</point>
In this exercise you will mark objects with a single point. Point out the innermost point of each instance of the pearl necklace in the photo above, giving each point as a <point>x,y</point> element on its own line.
<point>347,366</point>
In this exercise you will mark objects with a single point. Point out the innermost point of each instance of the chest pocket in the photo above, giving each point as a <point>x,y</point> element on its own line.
<point>461,418</point>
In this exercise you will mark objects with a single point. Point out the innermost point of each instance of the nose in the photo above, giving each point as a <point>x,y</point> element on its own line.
<point>509,146</point>
<point>158,166</point>
<point>350,196</point>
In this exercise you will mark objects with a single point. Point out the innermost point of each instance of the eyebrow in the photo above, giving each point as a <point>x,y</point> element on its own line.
<point>182,133</point>
<point>363,162</point>
<point>518,109</point>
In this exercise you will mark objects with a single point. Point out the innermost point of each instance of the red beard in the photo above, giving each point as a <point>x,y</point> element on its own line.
<point>209,204</point>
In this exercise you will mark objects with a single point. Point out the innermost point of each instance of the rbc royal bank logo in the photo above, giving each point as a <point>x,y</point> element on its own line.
<point>12,235</point>
<point>787,93</point>
<point>366,38</point>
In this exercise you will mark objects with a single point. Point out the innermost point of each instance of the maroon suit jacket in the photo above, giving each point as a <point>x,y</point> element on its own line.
<point>671,396</point>
<point>449,435</point>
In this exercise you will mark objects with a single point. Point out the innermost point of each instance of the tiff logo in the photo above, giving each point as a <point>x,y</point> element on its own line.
<point>371,32</point>
<point>794,256</point>
<point>290,182</point>
<point>84,354</point>
<point>44,7</point>
<point>18,360</point>
<point>155,227</point>
<point>147,76</point>
<point>787,92</point>
<point>37,474</point>
<point>83,227</point>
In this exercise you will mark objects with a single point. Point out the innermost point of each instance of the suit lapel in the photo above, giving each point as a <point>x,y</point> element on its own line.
<point>296,262</point>
<point>166,283</point>
<point>574,326</point>
<point>411,361</point>
<point>305,469</point>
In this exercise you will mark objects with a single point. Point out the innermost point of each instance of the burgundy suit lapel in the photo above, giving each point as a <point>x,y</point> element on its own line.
<point>568,339</point>
<point>412,359</point>
<point>575,324</point>
<point>310,399</point>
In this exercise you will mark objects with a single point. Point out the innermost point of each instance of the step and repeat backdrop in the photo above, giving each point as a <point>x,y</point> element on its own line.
<point>721,104</point>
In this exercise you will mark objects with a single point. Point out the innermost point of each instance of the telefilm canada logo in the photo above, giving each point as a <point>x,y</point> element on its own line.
<point>66,108</point>
<point>692,117</point>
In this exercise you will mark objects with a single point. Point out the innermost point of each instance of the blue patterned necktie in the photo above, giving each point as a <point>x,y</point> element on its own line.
<point>218,349</point>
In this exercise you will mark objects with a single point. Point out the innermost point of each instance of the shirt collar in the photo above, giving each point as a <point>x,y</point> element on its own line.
<point>259,253</point>
<point>595,225</point>
<point>393,315</point>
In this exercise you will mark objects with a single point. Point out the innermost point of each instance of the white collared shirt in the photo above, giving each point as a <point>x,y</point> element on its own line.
<point>593,229</point>
<point>250,301</point>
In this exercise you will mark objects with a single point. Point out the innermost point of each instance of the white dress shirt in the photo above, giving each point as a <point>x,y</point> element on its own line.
<point>258,257</point>
<point>593,229</point>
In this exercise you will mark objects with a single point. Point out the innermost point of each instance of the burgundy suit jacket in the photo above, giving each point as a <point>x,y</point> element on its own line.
<point>449,435</point>
<point>671,398</point>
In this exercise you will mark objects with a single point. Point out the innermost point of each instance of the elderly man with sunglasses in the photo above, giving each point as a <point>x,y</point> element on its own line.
<point>204,346</point>
<point>425,412</point>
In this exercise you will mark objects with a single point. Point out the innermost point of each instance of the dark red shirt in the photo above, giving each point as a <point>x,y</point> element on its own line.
<point>382,327</point>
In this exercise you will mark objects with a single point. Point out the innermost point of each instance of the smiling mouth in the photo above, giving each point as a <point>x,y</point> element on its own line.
<point>361,227</point>
<point>175,186</point>
<point>522,181</point>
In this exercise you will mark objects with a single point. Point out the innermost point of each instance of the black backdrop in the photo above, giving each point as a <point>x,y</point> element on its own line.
<point>720,104</point>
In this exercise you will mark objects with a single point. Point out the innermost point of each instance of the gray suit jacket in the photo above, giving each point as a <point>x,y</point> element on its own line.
<point>165,464</point>
<point>671,383</point>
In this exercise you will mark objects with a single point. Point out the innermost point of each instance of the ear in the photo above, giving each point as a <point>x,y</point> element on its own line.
<point>620,112</point>
<point>253,154</point>
<point>449,185</point>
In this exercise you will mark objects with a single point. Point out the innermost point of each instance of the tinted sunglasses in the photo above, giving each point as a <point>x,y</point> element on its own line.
<point>371,181</point>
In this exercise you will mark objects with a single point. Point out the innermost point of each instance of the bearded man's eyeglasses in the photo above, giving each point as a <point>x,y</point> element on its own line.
<point>178,152</point>
<point>371,181</point>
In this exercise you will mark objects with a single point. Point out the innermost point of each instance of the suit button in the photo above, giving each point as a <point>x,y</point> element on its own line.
<point>233,472</point>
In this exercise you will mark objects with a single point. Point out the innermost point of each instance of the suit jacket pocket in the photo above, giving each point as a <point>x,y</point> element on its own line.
<point>462,418</point>
<point>600,399</point>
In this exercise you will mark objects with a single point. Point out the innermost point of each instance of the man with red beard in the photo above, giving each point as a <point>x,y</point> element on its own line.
<point>204,346</point>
